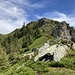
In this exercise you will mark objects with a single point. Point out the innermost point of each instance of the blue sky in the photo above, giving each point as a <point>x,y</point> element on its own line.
<point>14,12</point>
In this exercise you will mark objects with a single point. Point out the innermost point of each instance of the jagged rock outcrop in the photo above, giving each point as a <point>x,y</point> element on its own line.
<point>72,33</point>
<point>61,31</point>
<point>55,52</point>
<point>43,21</point>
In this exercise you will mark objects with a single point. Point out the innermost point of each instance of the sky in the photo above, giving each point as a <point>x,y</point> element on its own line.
<point>14,12</point>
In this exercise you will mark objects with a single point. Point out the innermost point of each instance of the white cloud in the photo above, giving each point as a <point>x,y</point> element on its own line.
<point>11,16</point>
<point>60,17</point>
<point>29,4</point>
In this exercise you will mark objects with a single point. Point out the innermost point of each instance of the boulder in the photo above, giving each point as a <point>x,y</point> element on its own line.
<point>46,48</point>
<point>60,52</point>
<point>55,51</point>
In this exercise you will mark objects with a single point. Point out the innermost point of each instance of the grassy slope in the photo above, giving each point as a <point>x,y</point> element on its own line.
<point>39,42</point>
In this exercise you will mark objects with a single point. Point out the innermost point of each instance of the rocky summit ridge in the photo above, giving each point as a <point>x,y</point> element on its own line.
<point>61,29</point>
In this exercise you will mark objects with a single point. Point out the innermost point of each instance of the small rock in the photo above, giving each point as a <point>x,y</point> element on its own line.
<point>73,46</point>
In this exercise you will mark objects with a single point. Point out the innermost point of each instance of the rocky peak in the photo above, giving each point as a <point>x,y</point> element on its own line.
<point>72,33</point>
<point>43,21</point>
<point>61,31</point>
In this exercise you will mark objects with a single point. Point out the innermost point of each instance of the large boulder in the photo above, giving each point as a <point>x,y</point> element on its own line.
<point>57,51</point>
<point>42,51</point>
<point>60,52</point>
<point>46,48</point>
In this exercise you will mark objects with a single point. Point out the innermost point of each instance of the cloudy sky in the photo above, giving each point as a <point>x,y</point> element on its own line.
<point>14,12</point>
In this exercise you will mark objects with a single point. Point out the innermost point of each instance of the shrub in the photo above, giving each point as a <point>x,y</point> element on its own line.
<point>39,65</point>
<point>56,64</point>
<point>24,71</point>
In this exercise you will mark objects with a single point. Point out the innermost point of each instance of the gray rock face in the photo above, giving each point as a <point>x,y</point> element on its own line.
<point>72,33</point>
<point>61,31</point>
<point>43,21</point>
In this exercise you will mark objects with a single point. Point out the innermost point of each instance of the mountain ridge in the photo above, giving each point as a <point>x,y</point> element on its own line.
<point>30,39</point>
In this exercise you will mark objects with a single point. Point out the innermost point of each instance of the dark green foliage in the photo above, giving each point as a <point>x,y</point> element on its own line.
<point>13,57</point>
<point>26,41</point>
<point>13,47</point>
<point>24,71</point>
<point>17,34</point>
<point>39,66</point>
<point>56,64</point>
<point>4,63</point>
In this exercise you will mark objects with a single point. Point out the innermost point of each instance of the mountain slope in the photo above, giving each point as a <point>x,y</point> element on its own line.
<point>30,37</point>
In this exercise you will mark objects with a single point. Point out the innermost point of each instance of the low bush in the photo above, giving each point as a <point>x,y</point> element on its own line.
<point>24,71</point>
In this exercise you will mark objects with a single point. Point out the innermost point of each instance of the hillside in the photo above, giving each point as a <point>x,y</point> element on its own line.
<point>16,47</point>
